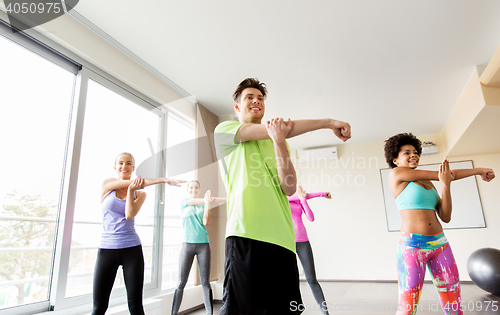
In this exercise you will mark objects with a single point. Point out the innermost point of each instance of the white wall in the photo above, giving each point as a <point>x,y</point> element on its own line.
<point>349,236</point>
<point>85,43</point>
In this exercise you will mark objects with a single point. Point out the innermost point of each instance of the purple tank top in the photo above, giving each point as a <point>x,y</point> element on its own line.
<point>117,231</point>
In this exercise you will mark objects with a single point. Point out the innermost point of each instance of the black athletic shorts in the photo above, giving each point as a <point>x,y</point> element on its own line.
<point>260,278</point>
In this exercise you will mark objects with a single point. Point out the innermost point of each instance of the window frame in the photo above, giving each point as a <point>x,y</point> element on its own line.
<point>63,245</point>
<point>85,71</point>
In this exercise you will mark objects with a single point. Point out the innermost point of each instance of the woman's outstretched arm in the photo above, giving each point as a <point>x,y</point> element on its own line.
<point>303,203</point>
<point>201,201</point>
<point>135,198</point>
<point>407,174</point>
<point>444,205</point>
<point>208,200</point>
<point>487,174</point>
<point>111,184</point>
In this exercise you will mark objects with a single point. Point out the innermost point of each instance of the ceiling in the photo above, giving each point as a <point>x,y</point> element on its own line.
<point>384,66</point>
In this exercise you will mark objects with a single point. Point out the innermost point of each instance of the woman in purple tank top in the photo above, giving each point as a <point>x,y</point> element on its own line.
<point>121,200</point>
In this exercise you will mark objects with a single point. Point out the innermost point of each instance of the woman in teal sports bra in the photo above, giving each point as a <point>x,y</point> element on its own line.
<point>422,240</point>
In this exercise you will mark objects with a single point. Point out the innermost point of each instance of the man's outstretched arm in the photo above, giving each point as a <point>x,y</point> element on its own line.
<point>278,131</point>
<point>341,129</point>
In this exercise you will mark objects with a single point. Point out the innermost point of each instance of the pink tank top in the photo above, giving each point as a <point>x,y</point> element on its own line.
<point>299,206</point>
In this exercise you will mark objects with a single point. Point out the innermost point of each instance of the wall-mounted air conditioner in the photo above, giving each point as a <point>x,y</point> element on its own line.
<point>318,154</point>
<point>429,147</point>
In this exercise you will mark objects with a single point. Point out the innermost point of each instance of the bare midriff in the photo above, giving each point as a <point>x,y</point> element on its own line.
<point>420,221</point>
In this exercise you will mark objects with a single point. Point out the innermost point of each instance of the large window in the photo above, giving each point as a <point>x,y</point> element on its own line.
<point>61,130</point>
<point>113,124</point>
<point>36,100</point>
<point>180,164</point>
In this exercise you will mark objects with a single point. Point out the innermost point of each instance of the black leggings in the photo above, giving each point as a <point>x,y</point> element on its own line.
<point>106,267</point>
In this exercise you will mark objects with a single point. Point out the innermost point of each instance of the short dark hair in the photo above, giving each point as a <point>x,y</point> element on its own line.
<point>393,146</point>
<point>249,83</point>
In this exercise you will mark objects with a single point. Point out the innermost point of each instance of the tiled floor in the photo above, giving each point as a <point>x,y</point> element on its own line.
<point>381,299</point>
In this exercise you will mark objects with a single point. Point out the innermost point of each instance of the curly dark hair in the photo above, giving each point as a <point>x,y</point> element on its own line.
<point>249,83</point>
<point>393,146</point>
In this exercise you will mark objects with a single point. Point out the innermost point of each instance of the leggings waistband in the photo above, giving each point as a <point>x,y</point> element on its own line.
<point>423,241</point>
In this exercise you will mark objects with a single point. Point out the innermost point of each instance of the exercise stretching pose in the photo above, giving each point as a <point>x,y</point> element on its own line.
<point>422,241</point>
<point>299,206</point>
<point>195,216</point>
<point>261,275</point>
<point>121,200</point>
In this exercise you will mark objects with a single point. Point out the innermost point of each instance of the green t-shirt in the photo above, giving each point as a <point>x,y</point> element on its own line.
<point>192,223</point>
<point>257,208</point>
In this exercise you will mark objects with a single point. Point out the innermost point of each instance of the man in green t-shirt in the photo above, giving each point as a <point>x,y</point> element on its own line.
<point>261,275</point>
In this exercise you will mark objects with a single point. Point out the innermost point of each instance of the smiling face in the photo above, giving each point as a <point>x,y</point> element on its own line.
<point>124,166</point>
<point>193,189</point>
<point>250,108</point>
<point>407,156</point>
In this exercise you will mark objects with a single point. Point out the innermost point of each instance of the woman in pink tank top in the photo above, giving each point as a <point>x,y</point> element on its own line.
<point>298,205</point>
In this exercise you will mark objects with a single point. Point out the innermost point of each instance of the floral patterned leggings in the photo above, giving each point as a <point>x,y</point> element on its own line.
<point>415,252</point>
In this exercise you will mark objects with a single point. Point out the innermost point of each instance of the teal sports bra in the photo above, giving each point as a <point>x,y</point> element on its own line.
<point>417,197</point>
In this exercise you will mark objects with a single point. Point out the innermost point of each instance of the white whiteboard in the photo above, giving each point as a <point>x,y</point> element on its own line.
<point>467,211</point>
